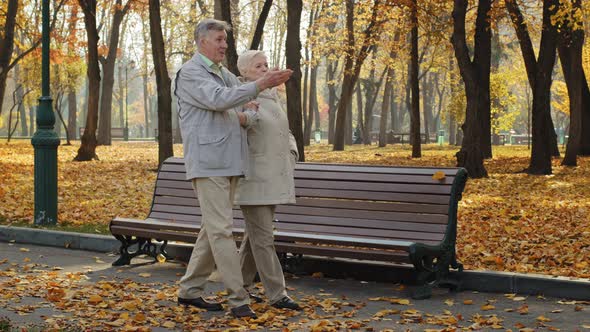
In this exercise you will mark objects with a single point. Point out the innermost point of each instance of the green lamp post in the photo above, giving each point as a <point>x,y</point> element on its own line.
<point>45,140</point>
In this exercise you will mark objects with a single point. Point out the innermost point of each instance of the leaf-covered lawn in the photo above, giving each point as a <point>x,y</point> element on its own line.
<point>510,221</point>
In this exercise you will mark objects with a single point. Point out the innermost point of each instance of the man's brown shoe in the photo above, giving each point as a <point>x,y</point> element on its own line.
<point>200,303</point>
<point>286,303</point>
<point>243,311</point>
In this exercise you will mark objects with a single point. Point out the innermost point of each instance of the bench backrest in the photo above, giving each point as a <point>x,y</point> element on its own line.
<point>380,202</point>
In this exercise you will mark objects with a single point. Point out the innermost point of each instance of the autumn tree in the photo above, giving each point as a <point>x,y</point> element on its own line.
<point>7,45</point>
<point>165,144</point>
<point>257,37</point>
<point>87,150</point>
<point>293,51</point>
<point>415,87</point>
<point>539,71</point>
<point>476,78</point>
<point>231,55</point>
<point>353,63</point>
<point>108,71</point>
<point>7,40</point>
<point>570,46</point>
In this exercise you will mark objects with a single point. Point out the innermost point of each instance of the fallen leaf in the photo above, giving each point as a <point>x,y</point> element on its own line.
<point>440,176</point>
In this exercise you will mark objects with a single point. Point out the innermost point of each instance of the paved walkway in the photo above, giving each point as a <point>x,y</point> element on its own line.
<point>69,289</point>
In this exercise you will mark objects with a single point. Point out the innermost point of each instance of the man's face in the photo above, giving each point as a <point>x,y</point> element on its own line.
<point>214,45</point>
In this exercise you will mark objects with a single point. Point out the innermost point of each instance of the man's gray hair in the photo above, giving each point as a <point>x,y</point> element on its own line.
<point>209,24</point>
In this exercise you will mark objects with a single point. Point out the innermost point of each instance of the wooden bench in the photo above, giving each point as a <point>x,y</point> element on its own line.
<point>377,213</point>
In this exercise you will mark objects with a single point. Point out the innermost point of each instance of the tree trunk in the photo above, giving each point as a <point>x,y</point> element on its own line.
<point>370,106</point>
<point>165,146</point>
<point>415,85</point>
<point>7,46</point>
<point>21,106</point>
<point>293,51</point>
<point>260,25</point>
<point>427,105</point>
<point>360,124</point>
<point>539,75</point>
<point>352,69</point>
<point>72,114</point>
<point>585,139</point>
<point>147,102</point>
<point>570,47</point>
<point>87,150</point>
<point>332,99</point>
<point>474,76</point>
<point>231,55</point>
<point>108,74</point>
<point>385,106</point>
<point>348,125</point>
<point>313,102</point>
<point>394,122</point>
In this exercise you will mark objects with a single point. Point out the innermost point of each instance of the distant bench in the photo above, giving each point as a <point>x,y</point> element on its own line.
<point>396,138</point>
<point>376,213</point>
<point>118,133</point>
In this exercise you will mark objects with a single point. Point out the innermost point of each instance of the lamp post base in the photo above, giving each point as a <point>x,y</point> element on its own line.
<point>45,142</point>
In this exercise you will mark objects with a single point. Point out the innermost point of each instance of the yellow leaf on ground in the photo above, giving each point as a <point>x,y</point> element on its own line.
<point>95,299</point>
<point>487,307</point>
<point>169,324</point>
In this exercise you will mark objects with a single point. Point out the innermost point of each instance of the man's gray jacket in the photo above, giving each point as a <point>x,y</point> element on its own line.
<point>214,142</point>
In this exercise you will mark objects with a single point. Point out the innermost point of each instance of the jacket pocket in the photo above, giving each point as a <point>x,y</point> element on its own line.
<point>214,150</point>
<point>256,144</point>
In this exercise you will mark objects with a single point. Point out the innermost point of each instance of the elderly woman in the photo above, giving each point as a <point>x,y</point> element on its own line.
<point>273,153</point>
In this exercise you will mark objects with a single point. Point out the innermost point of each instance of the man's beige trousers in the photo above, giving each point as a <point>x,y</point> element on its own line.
<point>215,244</point>
<point>257,252</point>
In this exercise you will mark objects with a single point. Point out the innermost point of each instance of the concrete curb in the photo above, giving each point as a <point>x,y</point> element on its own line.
<point>482,281</point>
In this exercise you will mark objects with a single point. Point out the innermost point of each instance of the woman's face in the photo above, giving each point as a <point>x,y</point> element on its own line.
<point>257,68</point>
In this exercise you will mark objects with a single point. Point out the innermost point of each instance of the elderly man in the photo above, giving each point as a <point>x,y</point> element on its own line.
<point>212,119</point>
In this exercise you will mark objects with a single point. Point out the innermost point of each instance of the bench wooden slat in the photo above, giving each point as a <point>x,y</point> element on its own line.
<point>324,215</point>
<point>343,252</point>
<point>179,222</point>
<point>366,187</point>
<point>375,196</point>
<point>123,226</point>
<point>342,176</point>
<point>289,247</point>
<point>385,187</point>
<point>335,204</point>
<point>337,194</point>
<point>178,166</point>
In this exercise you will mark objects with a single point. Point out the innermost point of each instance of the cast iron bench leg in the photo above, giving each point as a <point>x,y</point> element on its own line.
<point>432,265</point>
<point>144,247</point>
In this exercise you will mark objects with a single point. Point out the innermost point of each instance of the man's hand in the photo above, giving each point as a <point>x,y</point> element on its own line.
<point>252,105</point>
<point>273,78</point>
<point>243,119</point>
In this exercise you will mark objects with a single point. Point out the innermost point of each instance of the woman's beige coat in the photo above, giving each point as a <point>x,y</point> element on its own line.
<point>273,153</point>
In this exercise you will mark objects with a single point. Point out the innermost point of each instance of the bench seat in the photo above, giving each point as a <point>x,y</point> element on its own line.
<point>377,213</point>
